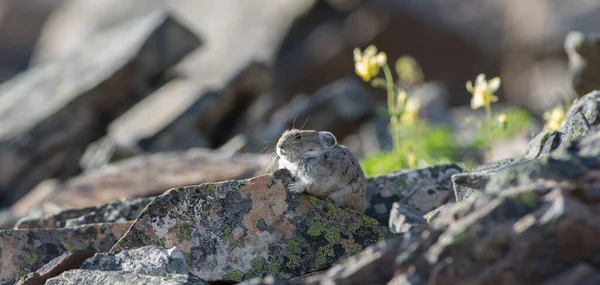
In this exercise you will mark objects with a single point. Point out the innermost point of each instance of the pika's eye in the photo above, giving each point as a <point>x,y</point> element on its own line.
<point>298,136</point>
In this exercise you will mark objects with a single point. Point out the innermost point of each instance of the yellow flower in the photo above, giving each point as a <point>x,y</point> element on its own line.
<point>367,64</point>
<point>554,118</point>
<point>408,70</point>
<point>411,112</point>
<point>483,91</point>
<point>502,120</point>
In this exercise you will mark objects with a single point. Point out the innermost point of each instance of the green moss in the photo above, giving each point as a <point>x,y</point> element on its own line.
<point>527,198</point>
<point>335,212</point>
<point>228,236</point>
<point>368,221</point>
<point>381,235</point>
<point>210,188</point>
<point>363,221</point>
<point>234,276</point>
<point>257,265</point>
<point>332,235</point>
<point>32,259</point>
<point>357,248</point>
<point>22,272</point>
<point>315,228</point>
<point>273,269</point>
<point>256,223</point>
<point>312,200</point>
<point>182,230</point>
<point>293,258</point>
<point>323,255</point>
<point>162,242</point>
<point>291,244</point>
<point>69,246</point>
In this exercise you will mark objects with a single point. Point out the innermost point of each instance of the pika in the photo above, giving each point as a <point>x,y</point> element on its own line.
<point>322,168</point>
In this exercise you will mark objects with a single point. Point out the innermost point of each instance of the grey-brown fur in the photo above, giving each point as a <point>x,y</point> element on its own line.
<point>322,168</point>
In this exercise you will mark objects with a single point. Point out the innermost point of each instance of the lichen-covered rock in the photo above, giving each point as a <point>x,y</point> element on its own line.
<point>145,265</point>
<point>51,112</point>
<point>424,189</point>
<point>67,261</point>
<point>529,234</point>
<point>115,212</point>
<point>26,250</point>
<point>404,218</point>
<point>239,229</point>
<point>140,176</point>
<point>374,265</point>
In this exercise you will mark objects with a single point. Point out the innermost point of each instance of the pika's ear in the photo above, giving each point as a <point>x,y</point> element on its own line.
<point>328,139</point>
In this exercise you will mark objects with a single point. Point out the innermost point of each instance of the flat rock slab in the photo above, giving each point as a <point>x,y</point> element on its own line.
<point>51,112</point>
<point>145,265</point>
<point>140,176</point>
<point>240,229</point>
<point>24,251</point>
<point>424,189</point>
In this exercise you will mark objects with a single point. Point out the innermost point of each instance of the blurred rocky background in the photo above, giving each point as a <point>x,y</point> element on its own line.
<point>105,100</point>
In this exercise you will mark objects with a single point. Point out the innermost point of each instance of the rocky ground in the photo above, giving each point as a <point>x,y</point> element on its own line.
<point>531,219</point>
<point>118,165</point>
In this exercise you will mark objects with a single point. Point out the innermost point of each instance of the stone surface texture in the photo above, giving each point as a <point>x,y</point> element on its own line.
<point>239,229</point>
<point>27,250</point>
<point>67,261</point>
<point>424,189</point>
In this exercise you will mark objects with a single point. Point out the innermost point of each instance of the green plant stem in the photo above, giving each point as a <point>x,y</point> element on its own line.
<point>389,82</point>
<point>488,125</point>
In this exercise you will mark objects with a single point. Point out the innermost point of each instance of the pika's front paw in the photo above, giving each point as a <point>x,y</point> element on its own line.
<point>296,187</point>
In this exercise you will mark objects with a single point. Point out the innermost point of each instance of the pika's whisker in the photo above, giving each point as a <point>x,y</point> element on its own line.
<point>305,121</point>
<point>272,157</point>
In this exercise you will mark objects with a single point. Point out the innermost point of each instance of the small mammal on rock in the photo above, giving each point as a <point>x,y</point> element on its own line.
<point>322,168</point>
